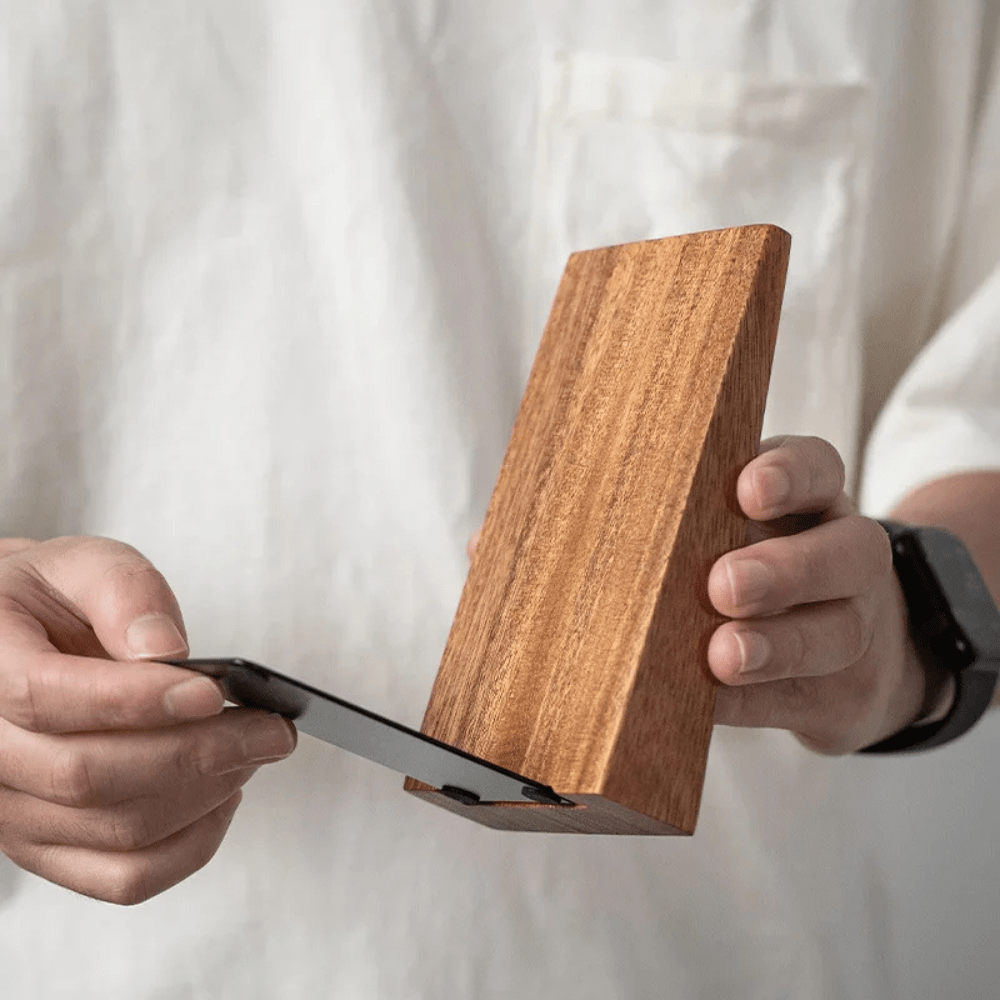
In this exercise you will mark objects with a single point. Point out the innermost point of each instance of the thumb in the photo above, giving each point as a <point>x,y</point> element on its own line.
<point>99,598</point>
<point>113,589</point>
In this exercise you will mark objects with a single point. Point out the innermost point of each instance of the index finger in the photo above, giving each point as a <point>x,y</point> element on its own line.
<point>48,691</point>
<point>65,606</point>
<point>843,558</point>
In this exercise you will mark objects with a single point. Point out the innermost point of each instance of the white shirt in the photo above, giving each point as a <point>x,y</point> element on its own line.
<point>271,278</point>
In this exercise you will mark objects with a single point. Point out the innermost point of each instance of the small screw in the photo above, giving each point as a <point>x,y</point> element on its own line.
<point>460,795</point>
<point>544,796</point>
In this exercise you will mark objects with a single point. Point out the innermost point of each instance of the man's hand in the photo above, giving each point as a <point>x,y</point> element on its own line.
<point>117,779</point>
<point>819,642</point>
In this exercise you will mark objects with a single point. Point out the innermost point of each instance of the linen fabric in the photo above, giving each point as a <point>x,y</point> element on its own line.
<point>272,273</point>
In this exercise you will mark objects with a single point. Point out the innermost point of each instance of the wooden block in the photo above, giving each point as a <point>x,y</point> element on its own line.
<point>577,656</point>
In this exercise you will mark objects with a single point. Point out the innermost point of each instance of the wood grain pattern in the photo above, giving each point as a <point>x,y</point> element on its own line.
<point>577,654</point>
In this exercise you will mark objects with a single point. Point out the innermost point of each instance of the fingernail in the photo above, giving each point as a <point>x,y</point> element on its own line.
<point>197,698</point>
<point>773,487</point>
<point>267,739</point>
<point>755,651</point>
<point>154,635</point>
<point>749,581</point>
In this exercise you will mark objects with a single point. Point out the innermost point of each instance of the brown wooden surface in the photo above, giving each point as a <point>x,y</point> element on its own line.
<point>577,654</point>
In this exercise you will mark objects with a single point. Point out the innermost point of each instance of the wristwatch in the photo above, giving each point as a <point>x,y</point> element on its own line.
<point>954,625</point>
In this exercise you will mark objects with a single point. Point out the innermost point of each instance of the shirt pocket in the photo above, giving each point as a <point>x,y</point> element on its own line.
<point>632,149</point>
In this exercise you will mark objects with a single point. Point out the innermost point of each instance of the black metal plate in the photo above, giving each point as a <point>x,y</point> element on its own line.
<point>461,775</point>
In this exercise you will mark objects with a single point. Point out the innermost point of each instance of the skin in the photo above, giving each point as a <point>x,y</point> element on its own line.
<point>818,643</point>
<point>119,775</point>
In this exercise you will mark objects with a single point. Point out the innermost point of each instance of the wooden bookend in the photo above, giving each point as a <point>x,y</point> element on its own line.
<point>578,652</point>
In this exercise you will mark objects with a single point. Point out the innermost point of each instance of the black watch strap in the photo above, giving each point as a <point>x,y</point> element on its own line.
<point>954,624</point>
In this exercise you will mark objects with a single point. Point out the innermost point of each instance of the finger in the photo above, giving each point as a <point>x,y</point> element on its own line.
<point>792,475</point>
<point>125,826</point>
<point>8,546</point>
<point>838,559</point>
<point>829,714</point>
<point>109,586</point>
<point>473,543</point>
<point>85,596</point>
<point>813,641</point>
<point>833,714</point>
<point>132,876</point>
<point>51,692</point>
<point>100,769</point>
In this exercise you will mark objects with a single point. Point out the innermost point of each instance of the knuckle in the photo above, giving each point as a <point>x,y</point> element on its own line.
<point>827,470</point>
<point>795,651</point>
<point>207,844</point>
<point>730,707</point>
<point>825,737</point>
<point>799,701</point>
<point>128,829</point>
<point>857,630</point>
<point>864,689</point>
<point>214,751</point>
<point>196,758</point>
<point>871,551</point>
<point>823,744</point>
<point>132,572</point>
<point>102,547</point>
<point>835,722</point>
<point>822,719</point>
<point>136,879</point>
<point>72,779</point>
<point>129,884</point>
<point>879,549</point>
<point>25,693</point>
<point>808,561</point>
<point>17,697</point>
<point>130,581</point>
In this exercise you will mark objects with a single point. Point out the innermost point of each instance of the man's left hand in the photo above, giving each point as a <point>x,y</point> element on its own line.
<point>818,643</point>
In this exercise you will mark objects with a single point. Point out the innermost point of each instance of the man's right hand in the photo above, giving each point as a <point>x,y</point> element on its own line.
<point>118,776</point>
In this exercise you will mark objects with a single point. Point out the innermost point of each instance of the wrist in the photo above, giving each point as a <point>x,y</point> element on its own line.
<point>938,702</point>
<point>954,636</point>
